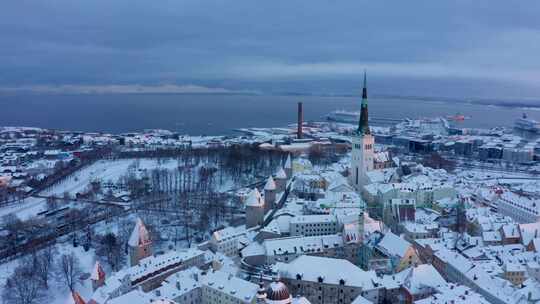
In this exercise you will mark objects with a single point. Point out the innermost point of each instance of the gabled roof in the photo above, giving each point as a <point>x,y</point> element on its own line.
<point>417,279</point>
<point>394,245</point>
<point>529,232</point>
<point>328,270</point>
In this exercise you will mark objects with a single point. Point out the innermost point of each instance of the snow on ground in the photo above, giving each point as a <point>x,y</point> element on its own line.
<point>104,170</point>
<point>26,209</point>
<point>493,174</point>
<point>87,260</point>
<point>58,292</point>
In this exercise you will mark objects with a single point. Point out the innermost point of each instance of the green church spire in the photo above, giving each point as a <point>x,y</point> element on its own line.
<point>363,127</point>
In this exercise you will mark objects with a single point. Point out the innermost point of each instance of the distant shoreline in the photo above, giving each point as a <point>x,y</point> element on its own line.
<point>518,103</point>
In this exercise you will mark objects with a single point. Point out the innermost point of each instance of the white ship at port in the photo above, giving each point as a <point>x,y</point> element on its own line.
<point>353,117</point>
<point>343,116</point>
<point>527,124</point>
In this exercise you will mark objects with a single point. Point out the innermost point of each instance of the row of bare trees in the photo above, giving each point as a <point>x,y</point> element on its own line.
<point>30,280</point>
<point>188,199</point>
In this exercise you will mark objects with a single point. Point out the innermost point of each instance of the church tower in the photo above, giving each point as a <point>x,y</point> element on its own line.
<point>139,243</point>
<point>362,146</point>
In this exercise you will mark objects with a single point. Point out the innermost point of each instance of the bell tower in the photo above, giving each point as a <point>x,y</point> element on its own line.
<point>362,145</point>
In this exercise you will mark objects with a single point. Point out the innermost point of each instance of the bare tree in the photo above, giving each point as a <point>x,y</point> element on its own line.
<point>69,270</point>
<point>23,287</point>
<point>111,249</point>
<point>43,262</point>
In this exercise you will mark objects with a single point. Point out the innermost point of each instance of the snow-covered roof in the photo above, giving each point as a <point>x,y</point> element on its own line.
<point>491,236</point>
<point>139,235</point>
<point>255,199</point>
<point>302,245</point>
<point>510,231</point>
<point>457,294</point>
<point>418,279</point>
<point>314,218</point>
<point>135,296</point>
<point>529,232</point>
<point>180,283</point>
<point>253,249</point>
<point>229,233</point>
<point>361,300</point>
<point>382,156</point>
<point>524,203</point>
<point>330,270</point>
<point>270,184</point>
<point>231,285</point>
<point>394,245</point>
<point>288,163</point>
<point>277,293</point>
<point>153,264</point>
<point>281,174</point>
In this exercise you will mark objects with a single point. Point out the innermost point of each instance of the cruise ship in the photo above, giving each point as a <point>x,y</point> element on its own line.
<point>527,124</point>
<point>343,116</point>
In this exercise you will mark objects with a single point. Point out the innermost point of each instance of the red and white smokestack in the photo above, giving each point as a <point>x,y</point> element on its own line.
<point>300,120</point>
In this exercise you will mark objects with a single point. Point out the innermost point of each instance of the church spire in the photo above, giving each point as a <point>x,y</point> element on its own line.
<point>363,127</point>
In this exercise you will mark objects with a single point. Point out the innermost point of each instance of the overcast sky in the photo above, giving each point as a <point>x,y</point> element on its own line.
<point>476,48</point>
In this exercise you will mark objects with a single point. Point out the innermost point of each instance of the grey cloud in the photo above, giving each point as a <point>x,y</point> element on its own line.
<point>263,43</point>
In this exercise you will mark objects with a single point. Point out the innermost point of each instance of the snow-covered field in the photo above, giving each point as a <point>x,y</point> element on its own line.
<point>103,170</point>
<point>24,210</point>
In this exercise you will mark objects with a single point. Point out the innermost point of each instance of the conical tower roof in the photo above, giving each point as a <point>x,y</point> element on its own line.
<point>97,273</point>
<point>288,162</point>
<point>281,174</point>
<point>270,184</point>
<point>139,235</point>
<point>254,199</point>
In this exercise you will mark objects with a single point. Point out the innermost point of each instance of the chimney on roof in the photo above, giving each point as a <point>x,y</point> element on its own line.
<point>300,120</point>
